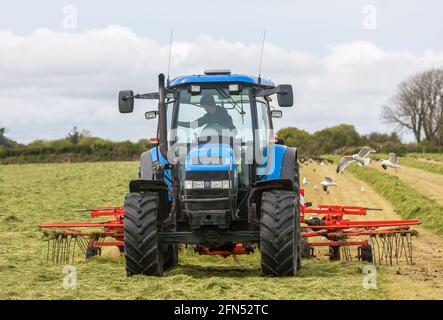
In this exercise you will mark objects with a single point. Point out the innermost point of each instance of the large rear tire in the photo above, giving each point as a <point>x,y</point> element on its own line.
<point>280,233</point>
<point>142,249</point>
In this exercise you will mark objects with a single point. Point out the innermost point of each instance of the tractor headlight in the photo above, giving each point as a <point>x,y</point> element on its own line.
<point>194,89</point>
<point>216,184</point>
<point>198,184</point>
<point>234,88</point>
<point>188,184</point>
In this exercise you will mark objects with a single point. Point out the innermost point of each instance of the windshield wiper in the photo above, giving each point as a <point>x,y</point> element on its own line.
<point>232,101</point>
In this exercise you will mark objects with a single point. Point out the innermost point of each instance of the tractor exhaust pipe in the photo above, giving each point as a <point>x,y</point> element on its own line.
<point>162,122</point>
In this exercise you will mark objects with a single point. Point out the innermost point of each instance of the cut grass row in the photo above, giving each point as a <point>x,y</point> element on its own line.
<point>422,165</point>
<point>407,202</point>
<point>35,193</point>
<point>411,161</point>
<point>427,156</point>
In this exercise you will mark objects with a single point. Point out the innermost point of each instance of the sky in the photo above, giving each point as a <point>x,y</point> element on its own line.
<point>62,63</point>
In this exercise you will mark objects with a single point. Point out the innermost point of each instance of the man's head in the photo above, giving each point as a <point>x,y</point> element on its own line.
<point>208,102</point>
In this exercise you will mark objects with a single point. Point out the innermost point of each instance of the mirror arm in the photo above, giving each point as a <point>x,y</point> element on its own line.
<point>153,95</point>
<point>268,92</point>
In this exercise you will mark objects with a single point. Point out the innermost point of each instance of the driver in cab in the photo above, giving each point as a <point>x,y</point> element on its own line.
<point>214,115</point>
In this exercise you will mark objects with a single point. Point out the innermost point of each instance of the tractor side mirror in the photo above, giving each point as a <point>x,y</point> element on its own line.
<point>151,115</point>
<point>285,96</point>
<point>276,113</point>
<point>126,101</point>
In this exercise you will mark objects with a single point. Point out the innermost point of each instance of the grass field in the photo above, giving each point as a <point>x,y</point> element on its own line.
<point>425,162</point>
<point>437,157</point>
<point>35,193</point>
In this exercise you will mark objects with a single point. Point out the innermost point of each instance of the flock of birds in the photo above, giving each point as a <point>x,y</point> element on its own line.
<point>362,158</point>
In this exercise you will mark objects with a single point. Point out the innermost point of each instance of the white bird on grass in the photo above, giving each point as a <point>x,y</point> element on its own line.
<point>392,162</point>
<point>305,181</point>
<point>361,157</point>
<point>326,183</point>
<point>362,189</point>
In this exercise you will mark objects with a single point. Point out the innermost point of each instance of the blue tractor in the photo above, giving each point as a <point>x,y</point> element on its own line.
<point>217,178</point>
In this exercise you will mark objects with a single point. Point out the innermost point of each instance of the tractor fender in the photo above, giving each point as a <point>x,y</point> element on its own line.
<point>289,168</point>
<point>146,172</point>
<point>289,163</point>
<point>156,186</point>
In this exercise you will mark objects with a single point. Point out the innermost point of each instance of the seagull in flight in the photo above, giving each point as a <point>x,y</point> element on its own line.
<point>392,162</point>
<point>361,157</point>
<point>326,183</point>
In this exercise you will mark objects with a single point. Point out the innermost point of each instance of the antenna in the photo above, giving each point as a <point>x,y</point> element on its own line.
<point>261,56</point>
<point>169,58</point>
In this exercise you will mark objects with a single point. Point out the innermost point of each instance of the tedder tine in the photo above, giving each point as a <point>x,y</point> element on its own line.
<point>388,238</point>
<point>64,239</point>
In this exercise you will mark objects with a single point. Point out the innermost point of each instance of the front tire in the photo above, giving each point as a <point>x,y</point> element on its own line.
<point>280,233</point>
<point>142,248</point>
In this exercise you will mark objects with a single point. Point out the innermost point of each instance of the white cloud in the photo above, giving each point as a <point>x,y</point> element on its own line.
<point>51,81</point>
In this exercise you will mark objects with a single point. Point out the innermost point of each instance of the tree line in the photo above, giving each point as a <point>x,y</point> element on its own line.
<point>75,147</point>
<point>342,139</point>
<point>81,146</point>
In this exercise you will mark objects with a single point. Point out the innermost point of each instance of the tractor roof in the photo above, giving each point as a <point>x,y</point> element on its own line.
<point>220,77</point>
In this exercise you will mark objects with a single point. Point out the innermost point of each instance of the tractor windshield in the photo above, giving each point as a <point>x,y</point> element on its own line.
<point>213,110</point>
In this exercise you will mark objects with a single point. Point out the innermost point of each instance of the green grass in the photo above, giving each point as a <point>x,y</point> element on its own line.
<point>427,156</point>
<point>422,165</point>
<point>35,193</point>
<point>411,161</point>
<point>406,201</point>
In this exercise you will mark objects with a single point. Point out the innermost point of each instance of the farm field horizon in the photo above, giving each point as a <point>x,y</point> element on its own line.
<point>35,193</point>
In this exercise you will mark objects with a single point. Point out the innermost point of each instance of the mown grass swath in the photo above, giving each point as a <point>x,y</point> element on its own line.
<point>407,202</point>
<point>413,161</point>
<point>422,165</point>
<point>427,156</point>
<point>35,193</point>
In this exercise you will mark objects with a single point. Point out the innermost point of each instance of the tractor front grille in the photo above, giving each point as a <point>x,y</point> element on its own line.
<point>207,193</point>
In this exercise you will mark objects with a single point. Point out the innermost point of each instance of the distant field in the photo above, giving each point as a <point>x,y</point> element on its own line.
<point>427,156</point>
<point>35,193</point>
<point>427,162</point>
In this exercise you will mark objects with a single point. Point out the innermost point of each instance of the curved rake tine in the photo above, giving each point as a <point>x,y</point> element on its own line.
<point>403,248</point>
<point>390,247</point>
<point>49,248</point>
<point>57,248</point>
<point>409,242</point>
<point>73,249</point>
<point>383,253</point>
<point>397,244</point>
<point>68,251</point>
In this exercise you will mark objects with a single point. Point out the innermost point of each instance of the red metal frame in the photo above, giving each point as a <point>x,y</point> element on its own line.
<point>337,229</point>
<point>238,249</point>
<point>334,227</point>
<point>109,229</point>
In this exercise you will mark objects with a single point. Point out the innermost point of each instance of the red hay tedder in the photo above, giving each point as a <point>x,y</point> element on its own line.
<point>385,241</point>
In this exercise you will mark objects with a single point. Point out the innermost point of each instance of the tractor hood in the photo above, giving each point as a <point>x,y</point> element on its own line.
<point>211,157</point>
